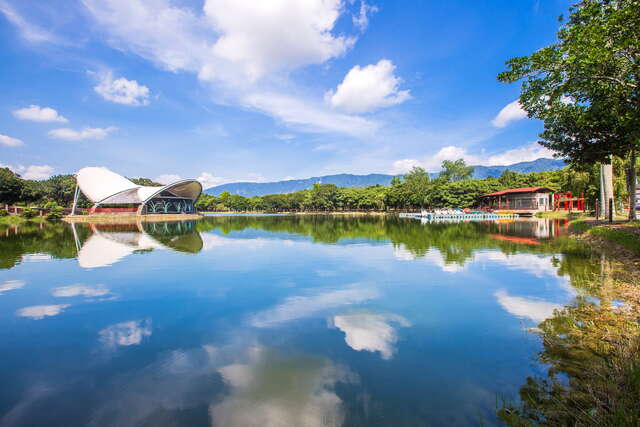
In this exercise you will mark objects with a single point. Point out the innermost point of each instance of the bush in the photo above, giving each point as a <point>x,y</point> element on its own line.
<point>55,214</point>
<point>50,205</point>
<point>3,212</point>
<point>28,213</point>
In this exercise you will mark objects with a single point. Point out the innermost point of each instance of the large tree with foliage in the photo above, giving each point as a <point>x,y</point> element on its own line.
<point>586,87</point>
<point>10,186</point>
<point>455,170</point>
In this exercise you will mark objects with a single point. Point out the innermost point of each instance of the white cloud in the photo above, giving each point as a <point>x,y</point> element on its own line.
<point>37,172</point>
<point>297,307</point>
<point>371,332</point>
<point>368,88</point>
<point>167,178</point>
<point>306,399</point>
<point>246,46</point>
<point>208,180</point>
<point>432,163</point>
<point>80,290</point>
<point>79,135</point>
<point>229,37</point>
<point>530,308</point>
<point>525,153</point>
<point>121,90</point>
<point>41,311</point>
<point>8,141</point>
<point>36,113</point>
<point>31,172</point>
<point>306,116</point>
<point>28,31</point>
<point>10,285</point>
<point>361,20</point>
<point>126,333</point>
<point>509,113</point>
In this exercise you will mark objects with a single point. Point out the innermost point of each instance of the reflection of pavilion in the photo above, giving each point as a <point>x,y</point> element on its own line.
<point>109,243</point>
<point>530,230</point>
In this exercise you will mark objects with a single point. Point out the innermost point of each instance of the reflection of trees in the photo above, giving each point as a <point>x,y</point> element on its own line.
<point>593,354</point>
<point>455,242</point>
<point>177,235</point>
<point>55,239</point>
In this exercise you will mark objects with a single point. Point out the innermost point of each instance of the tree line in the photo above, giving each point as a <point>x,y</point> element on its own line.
<point>453,188</point>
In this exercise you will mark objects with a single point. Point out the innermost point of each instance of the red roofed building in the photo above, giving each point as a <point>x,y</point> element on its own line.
<point>527,200</point>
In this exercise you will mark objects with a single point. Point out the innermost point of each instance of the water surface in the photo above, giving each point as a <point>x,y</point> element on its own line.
<point>276,320</point>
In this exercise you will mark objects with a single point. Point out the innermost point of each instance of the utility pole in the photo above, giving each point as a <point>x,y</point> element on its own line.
<point>633,186</point>
<point>606,188</point>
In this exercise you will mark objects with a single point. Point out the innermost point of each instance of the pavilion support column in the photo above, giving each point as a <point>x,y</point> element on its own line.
<point>75,200</point>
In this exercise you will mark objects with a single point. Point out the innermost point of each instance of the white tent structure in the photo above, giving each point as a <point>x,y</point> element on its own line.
<point>104,187</point>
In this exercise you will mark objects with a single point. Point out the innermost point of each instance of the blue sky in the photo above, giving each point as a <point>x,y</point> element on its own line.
<point>241,90</point>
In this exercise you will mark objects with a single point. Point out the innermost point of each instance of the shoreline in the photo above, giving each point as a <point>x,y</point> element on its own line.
<point>101,219</point>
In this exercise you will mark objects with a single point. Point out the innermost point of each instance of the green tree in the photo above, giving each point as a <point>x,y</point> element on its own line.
<point>145,182</point>
<point>455,170</point>
<point>10,186</point>
<point>417,185</point>
<point>586,87</point>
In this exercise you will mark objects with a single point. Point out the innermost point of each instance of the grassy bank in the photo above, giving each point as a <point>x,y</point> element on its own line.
<point>625,234</point>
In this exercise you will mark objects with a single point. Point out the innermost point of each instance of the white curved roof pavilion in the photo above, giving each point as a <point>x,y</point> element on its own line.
<point>105,187</point>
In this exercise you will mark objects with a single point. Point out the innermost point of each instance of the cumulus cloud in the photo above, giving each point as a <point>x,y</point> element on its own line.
<point>371,332</point>
<point>31,172</point>
<point>126,333</point>
<point>432,163</point>
<point>35,113</point>
<point>8,141</point>
<point>228,37</point>
<point>511,112</point>
<point>80,290</point>
<point>68,134</point>
<point>41,311</point>
<point>241,46</point>
<point>121,90</point>
<point>368,88</point>
<point>10,285</point>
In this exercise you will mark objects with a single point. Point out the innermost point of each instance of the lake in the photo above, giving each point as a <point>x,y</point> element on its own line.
<point>277,320</point>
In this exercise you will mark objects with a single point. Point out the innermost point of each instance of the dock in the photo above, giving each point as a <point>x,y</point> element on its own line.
<point>459,216</point>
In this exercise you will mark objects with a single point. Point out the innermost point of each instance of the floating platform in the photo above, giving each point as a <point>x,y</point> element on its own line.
<point>442,216</point>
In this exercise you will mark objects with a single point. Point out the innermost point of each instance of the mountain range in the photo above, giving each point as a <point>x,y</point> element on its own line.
<point>249,189</point>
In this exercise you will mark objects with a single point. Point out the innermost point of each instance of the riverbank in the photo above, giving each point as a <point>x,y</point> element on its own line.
<point>617,236</point>
<point>592,347</point>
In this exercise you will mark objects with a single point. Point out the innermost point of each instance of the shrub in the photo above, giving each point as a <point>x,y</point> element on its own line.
<point>28,213</point>
<point>3,212</point>
<point>55,214</point>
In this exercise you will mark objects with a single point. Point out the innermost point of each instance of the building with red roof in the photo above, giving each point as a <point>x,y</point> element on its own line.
<point>526,200</point>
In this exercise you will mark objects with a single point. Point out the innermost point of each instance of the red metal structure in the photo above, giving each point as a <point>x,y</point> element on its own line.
<point>566,202</point>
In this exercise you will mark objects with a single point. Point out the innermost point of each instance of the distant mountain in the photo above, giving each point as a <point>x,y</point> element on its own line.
<point>249,189</point>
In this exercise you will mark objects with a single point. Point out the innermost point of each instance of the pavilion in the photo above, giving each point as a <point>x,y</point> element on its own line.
<point>113,194</point>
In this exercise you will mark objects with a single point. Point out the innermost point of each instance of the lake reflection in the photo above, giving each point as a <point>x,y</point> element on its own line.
<point>276,320</point>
